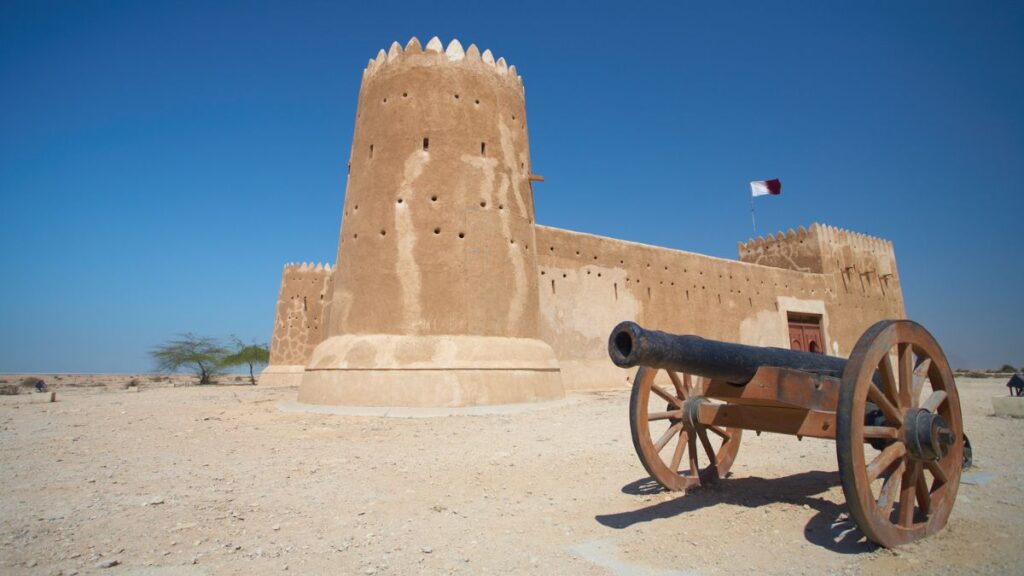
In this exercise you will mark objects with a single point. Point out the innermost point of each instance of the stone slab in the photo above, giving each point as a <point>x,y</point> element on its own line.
<point>1008,406</point>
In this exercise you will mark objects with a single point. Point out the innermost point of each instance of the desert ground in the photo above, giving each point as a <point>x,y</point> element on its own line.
<point>163,479</point>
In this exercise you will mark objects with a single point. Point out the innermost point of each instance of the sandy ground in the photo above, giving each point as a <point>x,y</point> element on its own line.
<point>219,480</point>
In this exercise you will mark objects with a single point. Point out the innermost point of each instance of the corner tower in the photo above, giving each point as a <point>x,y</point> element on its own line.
<point>435,299</point>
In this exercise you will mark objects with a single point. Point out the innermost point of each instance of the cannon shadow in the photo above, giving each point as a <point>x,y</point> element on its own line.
<point>831,527</point>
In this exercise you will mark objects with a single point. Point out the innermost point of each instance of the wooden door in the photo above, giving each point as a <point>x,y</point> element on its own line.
<point>805,335</point>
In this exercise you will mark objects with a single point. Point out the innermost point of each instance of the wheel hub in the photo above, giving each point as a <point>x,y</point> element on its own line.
<point>691,412</point>
<point>928,437</point>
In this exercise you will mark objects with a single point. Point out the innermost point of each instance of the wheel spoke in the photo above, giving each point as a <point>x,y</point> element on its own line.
<point>936,469</point>
<point>921,374</point>
<point>883,460</point>
<point>722,433</point>
<point>672,431</point>
<point>692,387</point>
<point>691,444</point>
<point>924,499</point>
<point>906,375</point>
<point>934,401</point>
<point>664,415</point>
<point>708,448</point>
<point>888,377</point>
<point>677,456</point>
<point>890,411</point>
<point>713,468</point>
<point>922,367</point>
<point>908,494</point>
<point>890,488</point>
<point>682,390</point>
<point>883,432</point>
<point>666,396</point>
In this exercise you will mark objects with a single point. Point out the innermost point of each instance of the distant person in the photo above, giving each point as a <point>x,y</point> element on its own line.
<point>40,385</point>
<point>1016,385</point>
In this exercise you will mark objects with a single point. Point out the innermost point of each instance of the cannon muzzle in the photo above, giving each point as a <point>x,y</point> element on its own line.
<point>630,345</point>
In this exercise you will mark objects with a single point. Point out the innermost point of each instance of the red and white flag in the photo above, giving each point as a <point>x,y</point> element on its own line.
<point>766,187</point>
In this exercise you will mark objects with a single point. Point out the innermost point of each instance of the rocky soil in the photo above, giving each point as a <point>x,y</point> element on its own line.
<point>162,480</point>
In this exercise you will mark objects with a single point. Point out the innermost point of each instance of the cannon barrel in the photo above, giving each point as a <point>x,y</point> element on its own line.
<point>630,345</point>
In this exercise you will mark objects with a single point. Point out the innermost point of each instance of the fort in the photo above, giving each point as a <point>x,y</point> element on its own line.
<point>446,292</point>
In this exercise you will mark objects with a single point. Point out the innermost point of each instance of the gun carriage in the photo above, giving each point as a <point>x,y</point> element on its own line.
<point>892,409</point>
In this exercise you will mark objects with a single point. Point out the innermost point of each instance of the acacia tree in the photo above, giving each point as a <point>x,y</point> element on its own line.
<point>251,355</point>
<point>203,355</point>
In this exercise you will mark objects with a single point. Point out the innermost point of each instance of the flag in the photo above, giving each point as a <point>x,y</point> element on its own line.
<point>766,187</point>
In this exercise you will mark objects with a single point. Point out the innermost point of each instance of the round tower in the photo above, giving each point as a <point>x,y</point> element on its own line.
<point>435,296</point>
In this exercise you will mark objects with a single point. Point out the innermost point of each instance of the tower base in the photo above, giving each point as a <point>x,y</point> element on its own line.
<point>430,371</point>
<point>276,375</point>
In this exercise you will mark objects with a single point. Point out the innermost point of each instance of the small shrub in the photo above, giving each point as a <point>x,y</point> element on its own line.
<point>33,383</point>
<point>10,390</point>
<point>133,383</point>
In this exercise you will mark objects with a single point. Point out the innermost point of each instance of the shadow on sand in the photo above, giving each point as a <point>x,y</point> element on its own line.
<point>830,528</point>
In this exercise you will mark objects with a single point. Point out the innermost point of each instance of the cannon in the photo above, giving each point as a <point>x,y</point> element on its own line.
<point>892,409</point>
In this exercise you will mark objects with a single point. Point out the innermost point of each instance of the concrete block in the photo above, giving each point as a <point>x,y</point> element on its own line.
<point>1012,406</point>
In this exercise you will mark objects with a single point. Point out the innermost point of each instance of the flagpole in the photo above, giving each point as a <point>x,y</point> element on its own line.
<point>753,218</point>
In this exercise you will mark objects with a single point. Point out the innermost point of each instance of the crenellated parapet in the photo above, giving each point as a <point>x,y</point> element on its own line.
<point>302,267</point>
<point>819,249</point>
<point>397,59</point>
<point>862,265</point>
<point>794,250</point>
<point>846,251</point>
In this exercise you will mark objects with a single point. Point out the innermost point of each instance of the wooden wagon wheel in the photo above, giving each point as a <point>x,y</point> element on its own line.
<point>900,470</point>
<point>666,434</point>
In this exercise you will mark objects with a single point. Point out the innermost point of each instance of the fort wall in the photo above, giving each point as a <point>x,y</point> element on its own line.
<point>447,293</point>
<point>590,283</point>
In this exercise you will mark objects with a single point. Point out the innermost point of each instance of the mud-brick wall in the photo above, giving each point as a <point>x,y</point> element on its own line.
<point>302,306</point>
<point>859,271</point>
<point>864,267</point>
<point>437,225</point>
<point>590,283</point>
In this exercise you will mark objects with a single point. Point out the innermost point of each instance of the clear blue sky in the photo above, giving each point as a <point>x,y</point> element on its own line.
<point>145,148</point>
